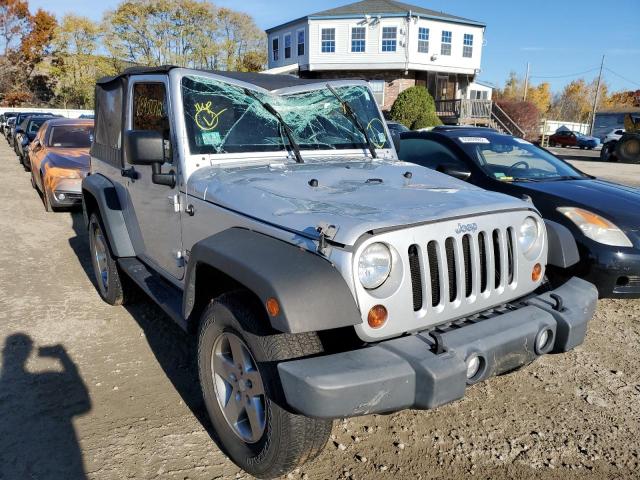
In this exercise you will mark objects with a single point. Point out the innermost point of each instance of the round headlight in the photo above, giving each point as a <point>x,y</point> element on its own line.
<point>374,265</point>
<point>528,234</point>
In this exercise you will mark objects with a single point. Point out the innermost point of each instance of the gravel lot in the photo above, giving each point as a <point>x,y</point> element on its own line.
<point>92,391</point>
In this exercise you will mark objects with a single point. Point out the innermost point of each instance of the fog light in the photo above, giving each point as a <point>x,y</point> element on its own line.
<point>377,316</point>
<point>536,273</point>
<point>61,196</point>
<point>474,362</point>
<point>543,341</point>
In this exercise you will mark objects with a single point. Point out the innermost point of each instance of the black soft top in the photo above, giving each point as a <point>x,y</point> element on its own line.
<point>263,80</point>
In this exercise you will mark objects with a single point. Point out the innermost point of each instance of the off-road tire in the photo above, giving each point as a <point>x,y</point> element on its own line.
<point>289,439</point>
<point>116,290</point>
<point>628,149</point>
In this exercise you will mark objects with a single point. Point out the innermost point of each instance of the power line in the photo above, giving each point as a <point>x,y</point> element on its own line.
<point>620,76</point>
<point>565,76</point>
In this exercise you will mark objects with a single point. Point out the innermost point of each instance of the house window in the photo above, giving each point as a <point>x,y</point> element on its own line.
<point>275,51</point>
<point>389,39</point>
<point>287,45</point>
<point>467,47</point>
<point>300,42</point>
<point>358,39</point>
<point>445,46</point>
<point>423,40</point>
<point>328,40</point>
<point>377,87</point>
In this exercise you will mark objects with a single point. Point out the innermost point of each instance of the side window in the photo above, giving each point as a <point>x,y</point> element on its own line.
<point>150,108</point>
<point>428,153</point>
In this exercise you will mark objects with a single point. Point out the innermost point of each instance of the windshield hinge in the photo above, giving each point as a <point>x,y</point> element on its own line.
<point>326,232</point>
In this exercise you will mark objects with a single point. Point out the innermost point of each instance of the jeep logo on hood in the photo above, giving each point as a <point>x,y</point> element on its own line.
<point>467,228</point>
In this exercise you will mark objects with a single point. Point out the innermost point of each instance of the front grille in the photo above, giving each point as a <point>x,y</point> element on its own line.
<point>460,267</point>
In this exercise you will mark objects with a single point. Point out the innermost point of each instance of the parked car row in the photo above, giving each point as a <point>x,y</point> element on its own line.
<point>56,152</point>
<point>322,277</point>
<point>603,216</point>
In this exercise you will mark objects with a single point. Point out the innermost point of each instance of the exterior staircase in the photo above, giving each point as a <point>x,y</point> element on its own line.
<point>478,113</point>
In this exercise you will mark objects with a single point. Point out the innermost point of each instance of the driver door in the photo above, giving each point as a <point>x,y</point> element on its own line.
<point>153,213</point>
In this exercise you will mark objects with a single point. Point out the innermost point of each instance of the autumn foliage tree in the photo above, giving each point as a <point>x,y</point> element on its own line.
<point>525,113</point>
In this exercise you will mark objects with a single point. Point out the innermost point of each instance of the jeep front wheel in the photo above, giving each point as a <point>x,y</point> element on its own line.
<point>237,363</point>
<point>105,268</point>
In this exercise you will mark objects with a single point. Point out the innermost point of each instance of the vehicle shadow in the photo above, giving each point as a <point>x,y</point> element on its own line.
<point>37,436</point>
<point>174,349</point>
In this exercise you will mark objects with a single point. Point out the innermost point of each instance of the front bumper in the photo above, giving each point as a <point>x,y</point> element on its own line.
<point>67,192</point>
<point>407,372</point>
<point>616,274</point>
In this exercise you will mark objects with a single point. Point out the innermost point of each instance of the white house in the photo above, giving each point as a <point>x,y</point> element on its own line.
<point>391,44</point>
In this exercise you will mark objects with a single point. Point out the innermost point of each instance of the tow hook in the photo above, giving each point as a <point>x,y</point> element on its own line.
<point>559,304</point>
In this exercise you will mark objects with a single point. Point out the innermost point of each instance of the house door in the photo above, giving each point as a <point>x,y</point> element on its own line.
<point>442,83</point>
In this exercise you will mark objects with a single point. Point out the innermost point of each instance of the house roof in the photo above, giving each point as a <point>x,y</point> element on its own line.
<point>387,8</point>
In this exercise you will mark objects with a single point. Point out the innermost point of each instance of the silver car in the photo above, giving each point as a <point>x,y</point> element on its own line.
<point>323,277</point>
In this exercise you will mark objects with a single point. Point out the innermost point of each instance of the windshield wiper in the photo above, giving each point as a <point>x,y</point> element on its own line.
<point>287,129</point>
<point>351,115</point>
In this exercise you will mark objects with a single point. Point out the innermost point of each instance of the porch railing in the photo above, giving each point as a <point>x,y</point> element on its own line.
<point>464,109</point>
<point>467,111</point>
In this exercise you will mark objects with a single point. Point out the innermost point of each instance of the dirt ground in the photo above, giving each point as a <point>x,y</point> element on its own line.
<point>93,391</point>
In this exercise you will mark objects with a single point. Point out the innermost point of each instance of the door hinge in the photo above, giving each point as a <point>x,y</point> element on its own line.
<point>175,201</point>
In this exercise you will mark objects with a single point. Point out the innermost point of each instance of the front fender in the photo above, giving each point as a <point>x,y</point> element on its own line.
<point>311,292</point>
<point>103,193</point>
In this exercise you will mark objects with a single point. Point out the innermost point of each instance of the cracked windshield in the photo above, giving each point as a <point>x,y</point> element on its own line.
<point>222,118</point>
<point>513,159</point>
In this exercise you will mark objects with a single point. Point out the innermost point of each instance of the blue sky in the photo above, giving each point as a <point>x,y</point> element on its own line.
<point>559,39</point>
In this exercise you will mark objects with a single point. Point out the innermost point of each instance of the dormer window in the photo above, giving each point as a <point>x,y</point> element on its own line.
<point>467,47</point>
<point>389,39</point>
<point>358,39</point>
<point>423,40</point>
<point>287,46</point>
<point>445,46</point>
<point>328,38</point>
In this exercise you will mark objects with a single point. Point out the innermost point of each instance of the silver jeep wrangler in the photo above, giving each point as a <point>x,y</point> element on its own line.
<point>324,278</point>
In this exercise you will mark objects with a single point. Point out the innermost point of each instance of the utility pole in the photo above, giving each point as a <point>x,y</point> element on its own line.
<point>595,100</point>
<point>526,83</point>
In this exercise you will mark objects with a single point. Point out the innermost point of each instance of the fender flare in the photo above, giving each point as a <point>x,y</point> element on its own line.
<point>311,292</point>
<point>563,249</point>
<point>104,195</point>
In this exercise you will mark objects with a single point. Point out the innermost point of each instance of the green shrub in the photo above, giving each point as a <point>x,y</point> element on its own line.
<point>415,108</point>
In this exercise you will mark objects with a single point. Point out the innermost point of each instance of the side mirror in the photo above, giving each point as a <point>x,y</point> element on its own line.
<point>146,147</point>
<point>35,145</point>
<point>456,171</point>
<point>19,130</point>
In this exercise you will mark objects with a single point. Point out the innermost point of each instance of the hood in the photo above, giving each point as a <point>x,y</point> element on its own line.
<point>69,158</point>
<point>618,203</point>
<point>354,196</point>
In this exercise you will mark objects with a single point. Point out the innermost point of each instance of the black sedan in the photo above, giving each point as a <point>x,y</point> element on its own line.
<point>604,217</point>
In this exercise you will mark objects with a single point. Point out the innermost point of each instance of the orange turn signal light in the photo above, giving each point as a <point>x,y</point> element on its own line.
<point>536,273</point>
<point>273,307</point>
<point>377,316</point>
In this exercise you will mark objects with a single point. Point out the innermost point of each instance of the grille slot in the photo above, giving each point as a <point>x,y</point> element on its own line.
<point>510,255</point>
<point>449,247</point>
<point>482,251</point>
<point>416,277</point>
<point>468,267</point>
<point>434,271</point>
<point>497,258</point>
